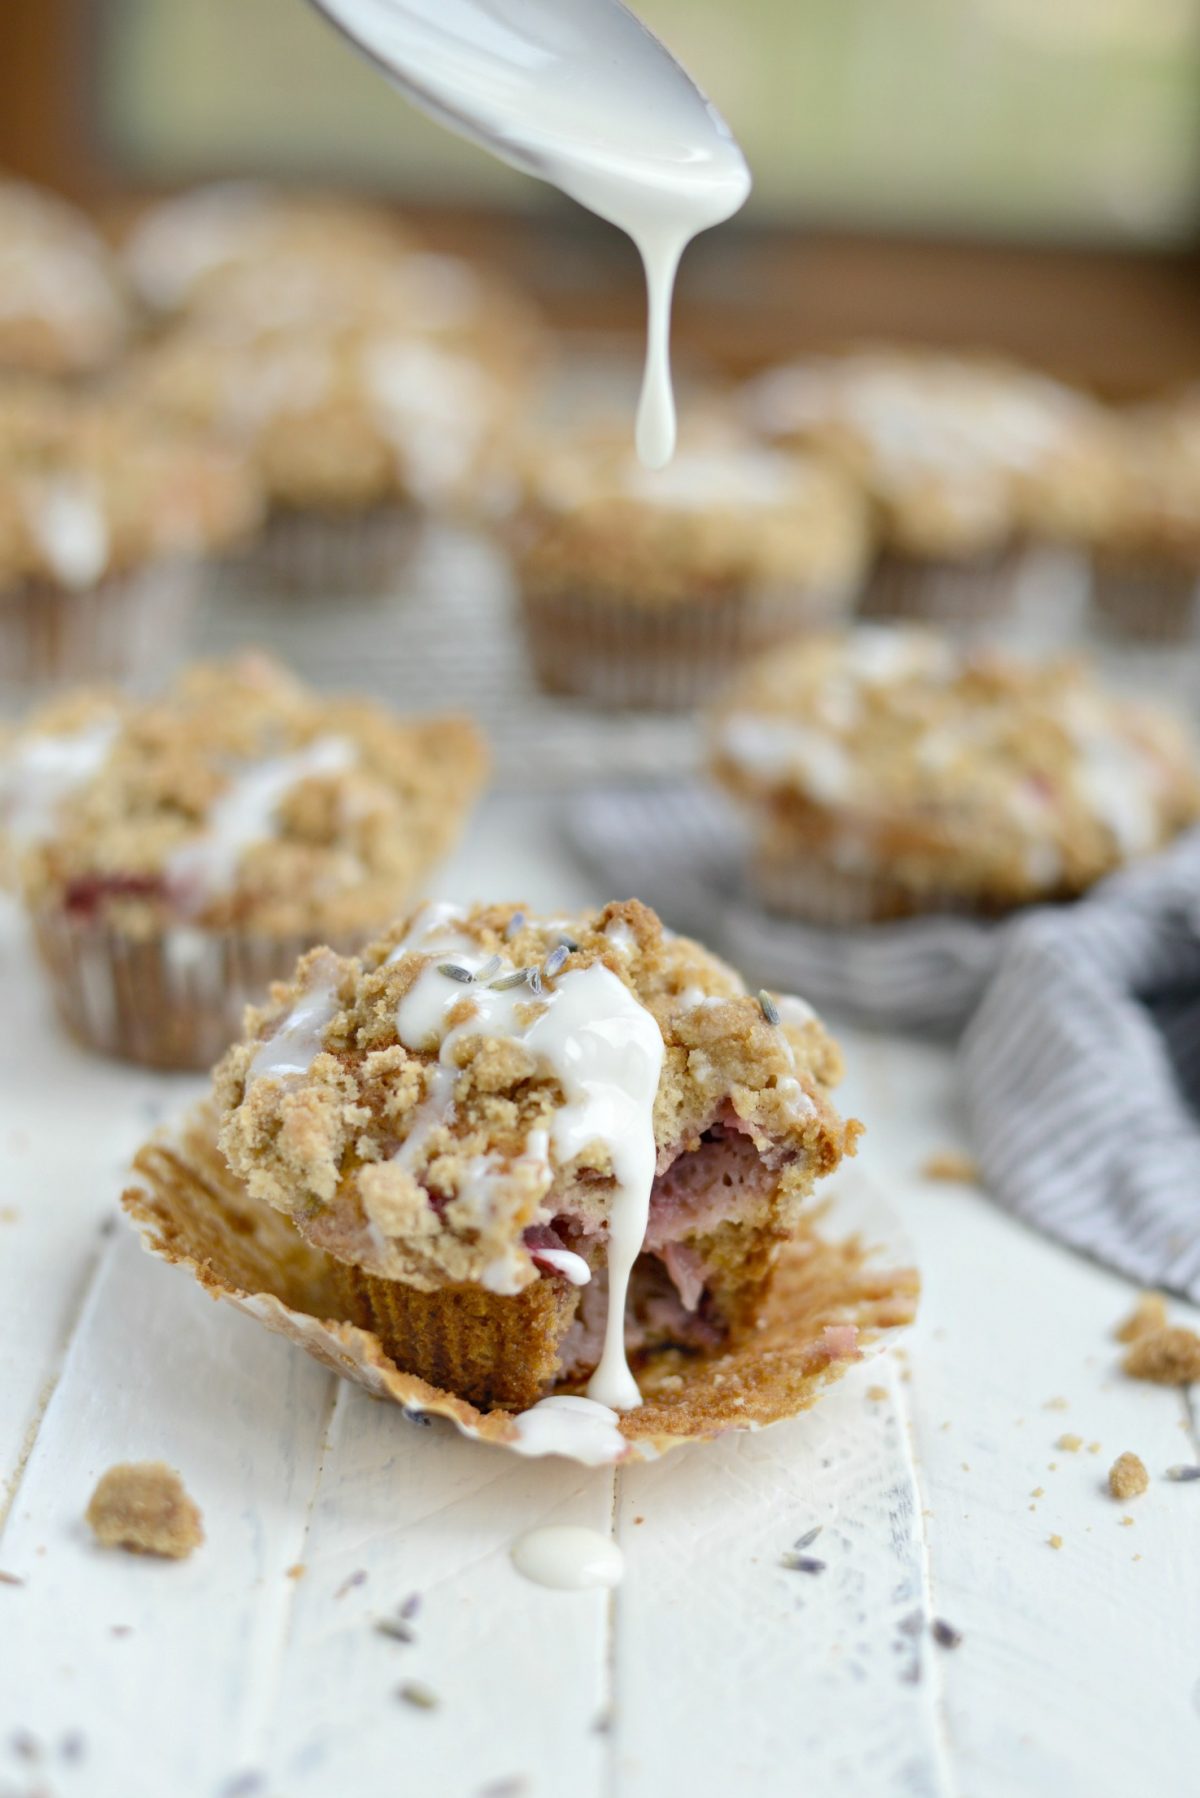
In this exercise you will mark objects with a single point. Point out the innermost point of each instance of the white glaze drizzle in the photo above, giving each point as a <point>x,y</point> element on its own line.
<point>67,518</point>
<point>580,1428</point>
<point>606,1051</point>
<point>43,770</point>
<point>300,1036</point>
<point>776,748</point>
<point>568,1558</point>
<point>245,814</point>
<point>566,1262</point>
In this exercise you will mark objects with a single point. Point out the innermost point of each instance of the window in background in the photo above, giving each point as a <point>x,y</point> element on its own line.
<point>1071,119</point>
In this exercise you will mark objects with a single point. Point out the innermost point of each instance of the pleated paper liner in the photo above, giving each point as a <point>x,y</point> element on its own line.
<point>129,627</point>
<point>835,1299</point>
<point>304,554</point>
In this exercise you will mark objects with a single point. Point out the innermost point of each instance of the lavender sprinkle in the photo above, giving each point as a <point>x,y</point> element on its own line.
<point>802,1564</point>
<point>569,944</point>
<point>809,1536</point>
<point>412,1692</point>
<point>945,1634</point>
<point>514,926</point>
<point>396,1629</point>
<point>518,977</point>
<point>535,982</point>
<point>452,971</point>
<point>770,1010</point>
<point>358,1578</point>
<point>411,1605</point>
<point>555,962</point>
<point>1179,1472</point>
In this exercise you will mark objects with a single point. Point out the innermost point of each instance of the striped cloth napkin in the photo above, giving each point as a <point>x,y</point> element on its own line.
<point>1080,1024</point>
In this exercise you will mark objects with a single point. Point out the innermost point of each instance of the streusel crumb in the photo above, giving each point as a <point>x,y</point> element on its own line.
<point>951,1165</point>
<point>1127,1477</point>
<point>1148,1315</point>
<point>1169,1357</point>
<point>142,1506</point>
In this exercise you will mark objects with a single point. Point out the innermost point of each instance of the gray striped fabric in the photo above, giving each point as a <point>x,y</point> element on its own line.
<point>1081,1048</point>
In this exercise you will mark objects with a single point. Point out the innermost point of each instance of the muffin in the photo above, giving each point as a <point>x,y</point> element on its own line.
<point>966,463</point>
<point>181,250</point>
<point>105,515</point>
<point>355,430</point>
<point>535,1151</point>
<point>645,588</point>
<point>1147,546</point>
<point>890,774</point>
<point>176,856</point>
<point>63,310</point>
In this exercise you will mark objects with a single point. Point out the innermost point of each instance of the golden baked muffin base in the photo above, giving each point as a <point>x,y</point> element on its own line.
<point>193,1211</point>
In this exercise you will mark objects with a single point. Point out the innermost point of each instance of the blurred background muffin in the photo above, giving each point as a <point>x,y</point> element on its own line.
<point>63,308</point>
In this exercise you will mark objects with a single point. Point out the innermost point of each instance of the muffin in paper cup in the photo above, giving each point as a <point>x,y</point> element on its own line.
<point>888,774</point>
<point>311,554</point>
<point>647,588</point>
<point>105,517</point>
<point>1146,549</point>
<point>175,856</point>
<point>65,312</point>
<point>542,1171</point>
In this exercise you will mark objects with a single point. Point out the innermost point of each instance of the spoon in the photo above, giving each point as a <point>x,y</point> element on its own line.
<point>578,93</point>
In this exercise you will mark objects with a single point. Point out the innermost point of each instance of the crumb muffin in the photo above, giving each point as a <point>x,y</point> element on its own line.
<point>1146,565</point>
<point>181,250</point>
<point>535,1150</point>
<point>891,774</point>
<point>175,856</point>
<point>356,431</point>
<point>965,462</point>
<point>105,514</point>
<point>645,588</point>
<point>63,310</point>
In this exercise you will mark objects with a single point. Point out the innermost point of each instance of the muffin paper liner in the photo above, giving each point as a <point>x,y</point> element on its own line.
<point>663,657</point>
<point>1149,599</point>
<point>174,1000</point>
<point>959,596</point>
<point>130,627</point>
<point>816,892</point>
<point>307,554</point>
<point>834,1300</point>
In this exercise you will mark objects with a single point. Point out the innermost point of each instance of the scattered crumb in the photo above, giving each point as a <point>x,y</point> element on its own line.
<point>72,1747</point>
<point>1093,1448</point>
<point>25,1745</point>
<point>966,1467</point>
<point>1056,1404</point>
<point>297,1570</point>
<point>11,1579</point>
<point>1038,1492</point>
<point>951,1164</point>
<point>639,1520</point>
<point>1169,1357</point>
<point>1127,1523</point>
<point>945,1634</point>
<point>419,1696</point>
<point>505,1788</point>
<point>1056,1541</point>
<point>121,1629</point>
<point>1137,1557</point>
<point>876,1393</point>
<point>1148,1315</point>
<point>1071,1444</point>
<point>1127,1477</point>
<point>8,1214</point>
<point>1053,1466</point>
<point>142,1506</point>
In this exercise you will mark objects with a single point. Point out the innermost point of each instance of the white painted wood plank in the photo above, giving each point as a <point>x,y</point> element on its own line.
<point>735,1674</point>
<point>1078,1668</point>
<point>157,1371</point>
<point>520,1672</point>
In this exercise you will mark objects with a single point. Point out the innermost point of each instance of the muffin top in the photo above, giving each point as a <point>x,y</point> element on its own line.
<point>181,250</point>
<point>725,513</point>
<point>973,770</point>
<point>62,307</point>
<point>478,1074</point>
<point>96,486</point>
<point>339,415</point>
<point>957,454</point>
<point>238,798</point>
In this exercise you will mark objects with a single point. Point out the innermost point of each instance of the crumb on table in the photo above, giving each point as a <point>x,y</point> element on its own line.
<point>142,1506</point>
<point>1055,1541</point>
<point>1147,1316</point>
<point>1071,1444</point>
<point>1170,1357</point>
<point>1127,1477</point>
<point>951,1164</point>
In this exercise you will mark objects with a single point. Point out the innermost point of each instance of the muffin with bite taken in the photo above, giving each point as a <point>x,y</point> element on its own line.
<point>536,1155</point>
<point>889,774</point>
<point>176,855</point>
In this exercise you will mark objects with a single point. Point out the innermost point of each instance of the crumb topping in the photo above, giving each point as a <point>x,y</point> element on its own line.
<point>62,308</point>
<point>1147,1316</point>
<point>1127,1477</point>
<point>971,771</point>
<point>726,514</point>
<point>91,487</point>
<point>407,1109</point>
<point>239,797</point>
<point>1168,1357</point>
<point>142,1506</point>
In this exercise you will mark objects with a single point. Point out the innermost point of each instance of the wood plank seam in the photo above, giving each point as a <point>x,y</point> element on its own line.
<point>944,1746</point>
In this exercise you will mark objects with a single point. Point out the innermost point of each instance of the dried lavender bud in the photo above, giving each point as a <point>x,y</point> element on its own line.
<point>412,1692</point>
<point>358,1578</point>
<point>518,977</point>
<point>452,971</point>
<point>396,1629</point>
<point>515,926</point>
<point>802,1564</point>
<point>488,971</point>
<point>535,982</point>
<point>411,1605</point>
<point>1183,1472</point>
<point>770,1010</point>
<point>569,944</point>
<point>555,962</point>
<point>945,1634</point>
<point>809,1537</point>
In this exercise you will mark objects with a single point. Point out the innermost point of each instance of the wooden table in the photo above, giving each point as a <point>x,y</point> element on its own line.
<point>255,1667</point>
